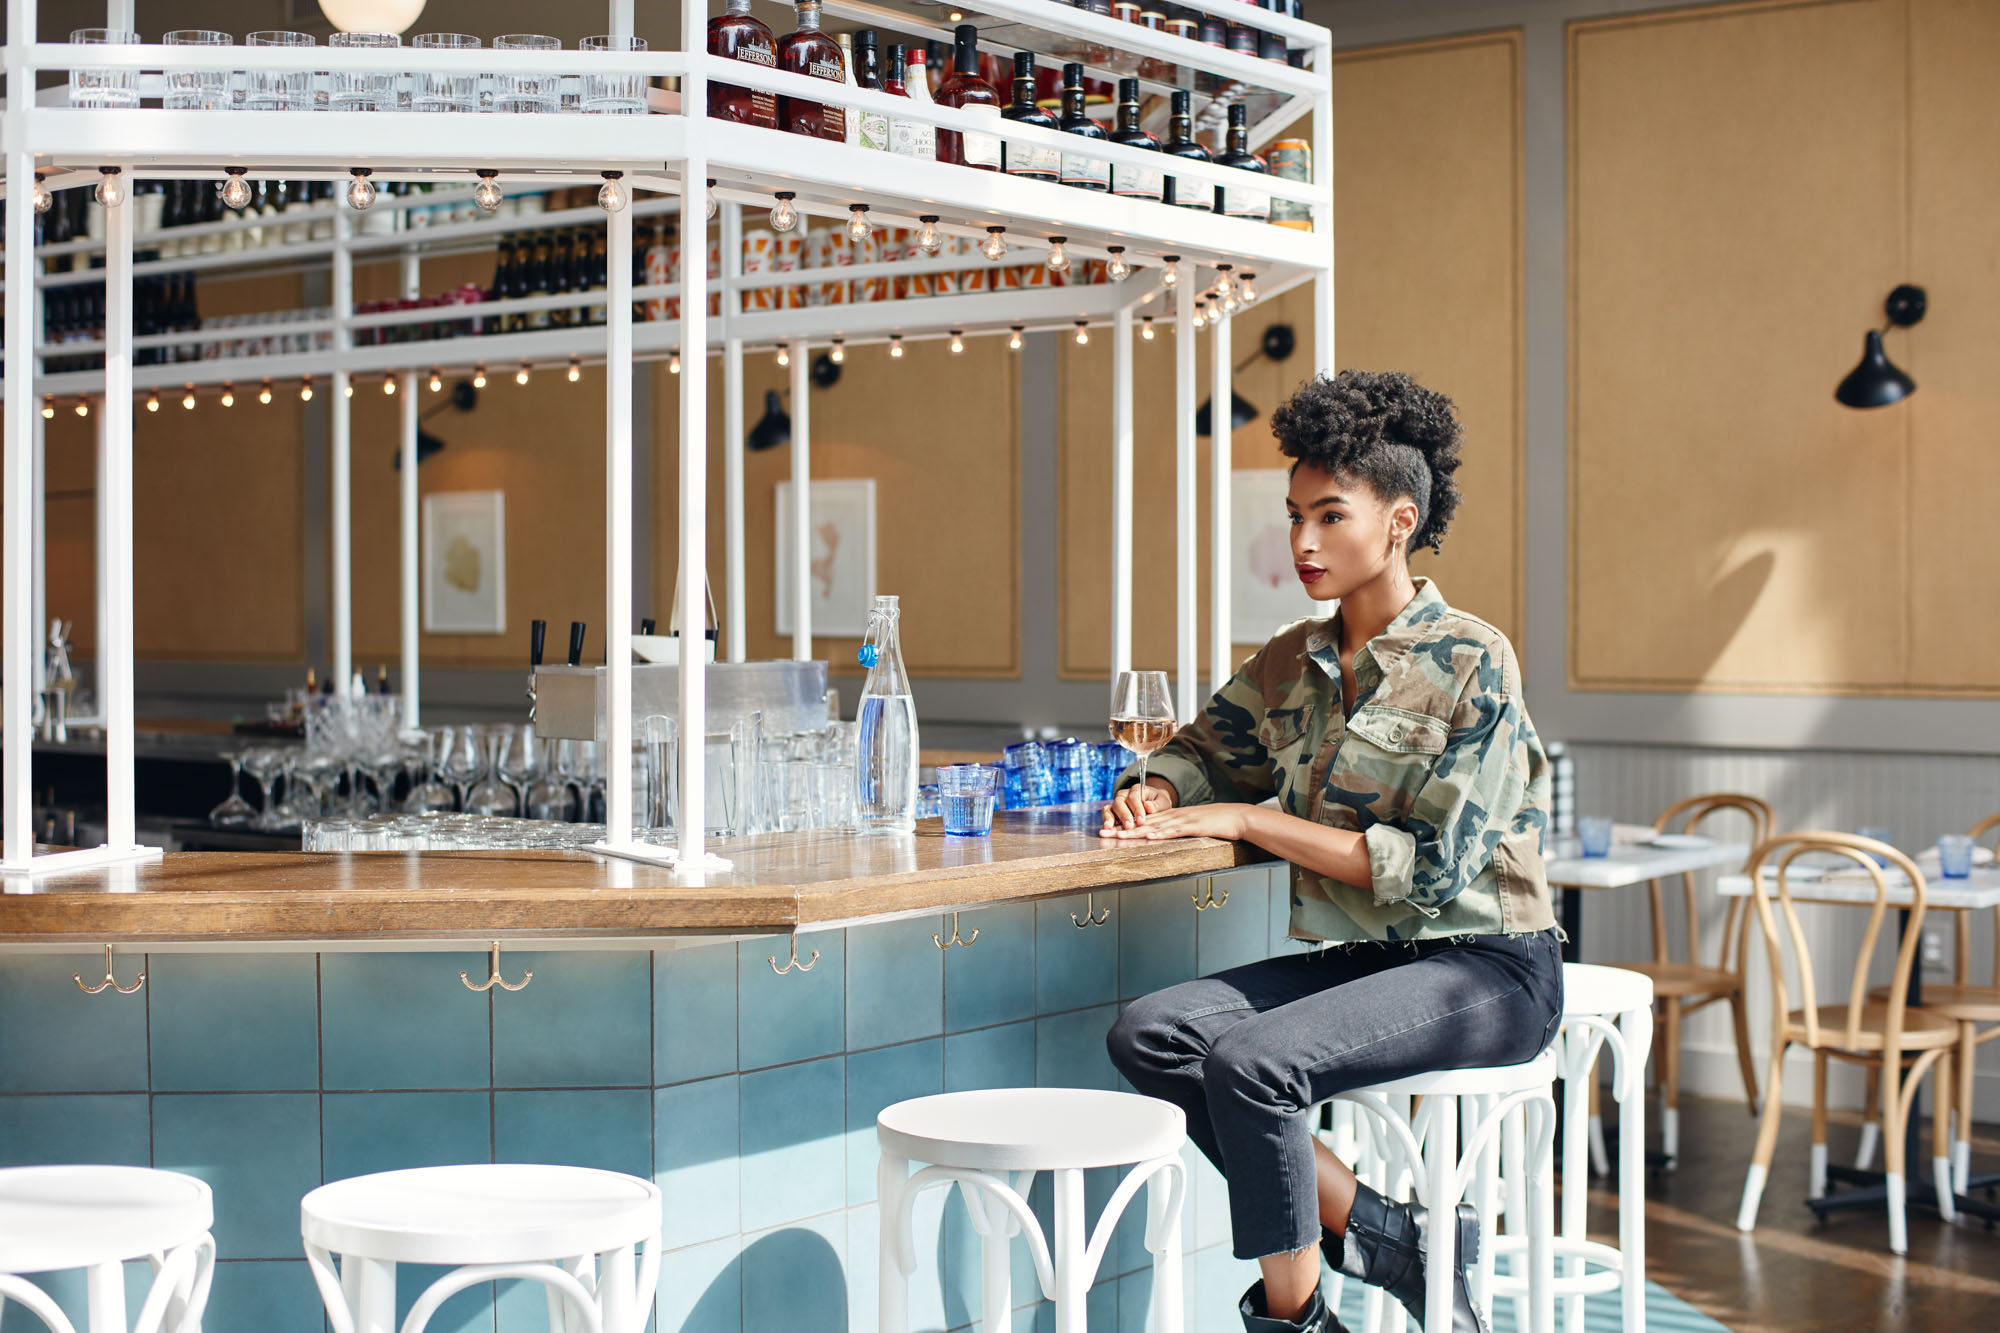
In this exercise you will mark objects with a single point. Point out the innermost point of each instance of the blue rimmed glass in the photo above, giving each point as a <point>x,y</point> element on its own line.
<point>1071,759</point>
<point>965,798</point>
<point>1112,760</point>
<point>1879,834</point>
<point>1594,831</point>
<point>1954,856</point>
<point>1029,781</point>
<point>927,800</point>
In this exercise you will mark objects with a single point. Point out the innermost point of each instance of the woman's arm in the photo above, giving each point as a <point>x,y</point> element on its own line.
<point>1340,854</point>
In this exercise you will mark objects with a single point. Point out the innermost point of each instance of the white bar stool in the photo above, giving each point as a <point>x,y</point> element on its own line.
<point>1425,1145</point>
<point>974,1140</point>
<point>54,1218</point>
<point>574,1230</point>
<point>1602,1007</point>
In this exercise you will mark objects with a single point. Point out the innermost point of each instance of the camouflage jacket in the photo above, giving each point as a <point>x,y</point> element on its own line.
<point>1438,768</point>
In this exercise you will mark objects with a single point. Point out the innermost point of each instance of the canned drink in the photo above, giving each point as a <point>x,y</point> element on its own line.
<point>1292,160</point>
<point>786,258</point>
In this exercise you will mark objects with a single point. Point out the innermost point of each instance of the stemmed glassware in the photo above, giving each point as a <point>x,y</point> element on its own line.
<point>1142,714</point>
<point>520,761</point>
<point>234,811</point>
<point>548,796</point>
<point>428,795</point>
<point>265,763</point>
<point>489,796</point>
<point>459,761</point>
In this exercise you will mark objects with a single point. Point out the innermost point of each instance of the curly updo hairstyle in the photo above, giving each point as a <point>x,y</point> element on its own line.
<point>1382,428</point>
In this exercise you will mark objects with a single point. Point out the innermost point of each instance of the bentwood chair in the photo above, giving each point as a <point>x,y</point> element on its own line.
<point>1878,1033</point>
<point>1684,987</point>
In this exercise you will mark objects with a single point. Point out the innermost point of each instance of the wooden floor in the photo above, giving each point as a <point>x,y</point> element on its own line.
<point>1793,1273</point>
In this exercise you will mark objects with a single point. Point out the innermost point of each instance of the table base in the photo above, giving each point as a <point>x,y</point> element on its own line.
<point>1870,1192</point>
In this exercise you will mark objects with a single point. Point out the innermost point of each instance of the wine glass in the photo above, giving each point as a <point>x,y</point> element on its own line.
<point>234,811</point>
<point>521,761</point>
<point>265,763</point>
<point>490,796</point>
<point>1142,714</point>
<point>460,760</point>
<point>428,796</point>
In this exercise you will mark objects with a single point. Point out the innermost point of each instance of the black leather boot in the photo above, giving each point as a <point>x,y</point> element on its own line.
<point>1384,1247</point>
<point>1316,1318</point>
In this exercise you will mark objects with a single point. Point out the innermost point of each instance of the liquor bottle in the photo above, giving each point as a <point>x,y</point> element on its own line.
<point>735,34</point>
<point>503,260</point>
<point>1182,143</point>
<point>1135,182</point>
<point>538,283</point>
<point>642,249</point>
<point>561,270</point>
<point>909,138</point>
<point>1032,161</point>
<point>600,275</point>
<point>811,52</point>
<point>1079,169</point>
<point>850,124</point>
<point>1183,23</point>
<point>872,127</point>
<point>1242,201</point>
<point>966,90</point>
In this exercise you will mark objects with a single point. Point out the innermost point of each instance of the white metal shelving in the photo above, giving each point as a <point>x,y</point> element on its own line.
<point>671,155</point>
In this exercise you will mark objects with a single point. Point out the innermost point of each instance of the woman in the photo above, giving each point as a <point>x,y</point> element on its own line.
<point>1411,796</point>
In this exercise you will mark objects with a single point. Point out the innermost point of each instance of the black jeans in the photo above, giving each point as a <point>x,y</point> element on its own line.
<point>1249,1052</point>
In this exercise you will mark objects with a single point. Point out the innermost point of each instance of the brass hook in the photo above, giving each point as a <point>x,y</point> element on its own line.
<point>795,965</point>
<point>965,943</point>
<point>1092,914</point>
<point>108,981</point>
<point>493,976</point>
<point>1213,899</point>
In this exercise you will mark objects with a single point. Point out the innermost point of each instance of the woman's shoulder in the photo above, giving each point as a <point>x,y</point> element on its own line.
<point>1456,652</point>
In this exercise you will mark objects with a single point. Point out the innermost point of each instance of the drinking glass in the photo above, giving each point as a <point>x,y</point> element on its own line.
<point>103,87</point>
<point>548,797</point>
<point>277,90</point>
<point>490,796</point>
<point>1030,782</point>
<point>614,94</point>
<point>197,89</point>
<point>364,91</point>
<point>521,761</point>
<point>1142,714</point>
<point>428,795</point>
<point>927,800</point>
<point>1955,856</point>
<point>657,734</point>
<point>1594,831</point>
<point>235,812</point>
<point>264,763</point>
<point>1112,759</point>
<point>529,93</point>
<point>431,90</point>
<point>1879,834</point>
<point>1071,760</point>
<point>459,759</point>
<point>965,799</point>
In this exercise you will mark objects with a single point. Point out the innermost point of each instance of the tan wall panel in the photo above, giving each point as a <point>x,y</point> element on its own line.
<point>1735,223</point>
<point>1427,210</point>
<point>1955,415</point>
<point>940,436</point>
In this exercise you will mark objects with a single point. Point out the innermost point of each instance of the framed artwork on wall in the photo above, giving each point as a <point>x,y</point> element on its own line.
<point>1265,594</point>
<point>465,563</point>
<point>843,557</point>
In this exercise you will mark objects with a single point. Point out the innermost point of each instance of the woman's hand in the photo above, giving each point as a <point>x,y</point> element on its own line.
<point>1196,821</point>
<point>1132,806</point>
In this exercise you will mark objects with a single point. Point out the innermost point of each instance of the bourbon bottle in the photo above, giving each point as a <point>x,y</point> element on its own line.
<point>735,34</point>
<point>811,52</point>
<point>964,88</point>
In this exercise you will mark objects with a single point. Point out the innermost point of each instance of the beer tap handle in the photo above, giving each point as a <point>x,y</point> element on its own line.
<point>576,643</point>
<point>538,634</point>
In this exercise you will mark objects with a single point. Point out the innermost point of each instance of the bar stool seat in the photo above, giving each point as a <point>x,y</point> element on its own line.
<point>575,1230</point>
<point>54,1218</point>
<point>991,1144</point>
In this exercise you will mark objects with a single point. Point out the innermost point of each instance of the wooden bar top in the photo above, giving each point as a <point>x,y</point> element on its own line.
<point>778,883</point>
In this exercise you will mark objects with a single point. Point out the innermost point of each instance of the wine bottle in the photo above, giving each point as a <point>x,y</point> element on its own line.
<point>1080,169</point>
<point>562,269</point>
<point>872,128</point>
<point>735,34</point>
<point>1242,201</point>
<point>538,283</point>
<point>811,52</point>
<point>599,277</point>
<point>1031,161</point>
<point>965,89</point>
<point>909,138</point>
<point>1135,182</point>
<point>1182,143</point>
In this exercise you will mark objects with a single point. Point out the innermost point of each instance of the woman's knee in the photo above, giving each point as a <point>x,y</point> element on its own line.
<point>1245,1067</point>
<point>1147,1038</point>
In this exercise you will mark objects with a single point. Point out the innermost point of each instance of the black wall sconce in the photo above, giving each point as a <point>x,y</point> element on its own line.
<point>775,426</point>
<point>463,398</point>
<point>1278,343</point>
<point>1877,381</point>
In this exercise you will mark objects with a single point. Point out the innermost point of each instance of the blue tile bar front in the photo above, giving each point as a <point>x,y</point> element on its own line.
<point>749,1096</point>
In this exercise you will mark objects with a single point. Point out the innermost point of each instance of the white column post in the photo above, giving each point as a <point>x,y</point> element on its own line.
<point>17,604</point>
<point>694,450</point>
<point>736,616</point>
<point>1121,492</point>
<point>618,530</point>
<point>340,519</point>
<point>1220,458</point>
<point>41,503</point>
<point>1322,131</point>
<point>115,635</point>
<point>802,638</point>
<point>406,526</point>
<point>1184,488</point>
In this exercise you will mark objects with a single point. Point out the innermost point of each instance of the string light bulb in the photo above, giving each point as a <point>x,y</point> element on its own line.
<point>235,190</point>
<point>347,389</point>
<point>1083,333</point>
<point>479,375</point>
<point>153,401</point>
<point>1223,286</point>
<point>858,225</point>
<point>360,190</point>
<point>110,190</point>
<point>305,390</point>
<point>1170,275</point>
<point>784,355</point>
<point>896,346</point>
<point>1244,291</point>
<point>1229,302</point>
<point>928,239</point>
<point>48,407</point>
<point>487,193</point>
<point>1014,338</point>
<point>188,398</point>
<point>82,406</point>
<point>437,380</point>
<point>839,352</point>
<point>1058,256</point>
<point>389,384</point>
<point>957,342</point>
<point>708,195</point>
<point>1117,269</point>
<point>228,398</point>
<point>575,370</point>
<point>614,194</point>
<point>1201,314</point>
<point>44,197</point>
<point>674,362</point>
<point>521,375</point>
<point>995,244</point>
<point>1146,328</point>
<point>784,216</point>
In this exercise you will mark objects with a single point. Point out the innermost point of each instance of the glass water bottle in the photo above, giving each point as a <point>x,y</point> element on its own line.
<point>886,763</point>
